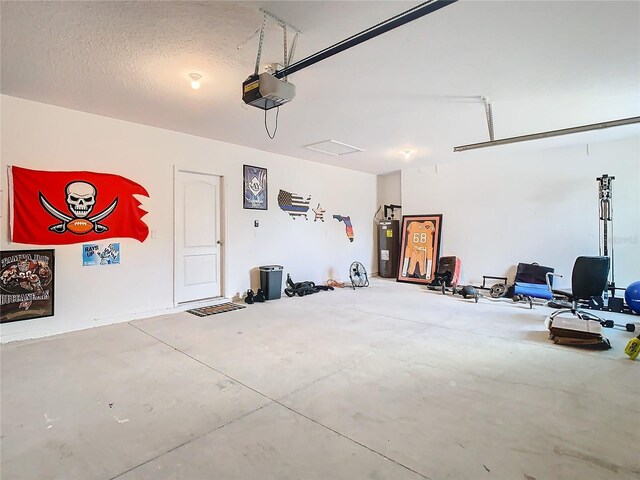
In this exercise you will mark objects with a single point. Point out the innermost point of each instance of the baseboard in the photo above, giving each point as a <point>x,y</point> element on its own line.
<point>38,328</point>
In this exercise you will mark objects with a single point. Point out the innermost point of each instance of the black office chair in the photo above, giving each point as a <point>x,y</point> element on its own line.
<point>588,281</point>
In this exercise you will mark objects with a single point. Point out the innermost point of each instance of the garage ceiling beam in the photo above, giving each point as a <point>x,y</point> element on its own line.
<point>550,133</point>
<point>372,32</point>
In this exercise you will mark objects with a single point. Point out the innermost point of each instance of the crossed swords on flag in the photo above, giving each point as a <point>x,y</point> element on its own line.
<point>62,227</point>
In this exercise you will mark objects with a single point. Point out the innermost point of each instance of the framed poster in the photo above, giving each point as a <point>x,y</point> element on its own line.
<point>254,188</point>
<point>26,284</point>
<point>419,248</point>
<point>95,254</point>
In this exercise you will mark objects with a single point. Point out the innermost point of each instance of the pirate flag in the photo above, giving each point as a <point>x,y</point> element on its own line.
<point>59,208</point>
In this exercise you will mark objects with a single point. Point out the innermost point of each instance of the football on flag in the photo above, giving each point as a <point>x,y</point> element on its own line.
<point>79,226</point>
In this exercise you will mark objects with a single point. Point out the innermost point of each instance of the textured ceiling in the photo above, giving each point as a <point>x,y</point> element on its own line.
<point>545,65</point>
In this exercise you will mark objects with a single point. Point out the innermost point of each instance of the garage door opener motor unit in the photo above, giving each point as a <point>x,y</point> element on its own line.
<point>266,91</point>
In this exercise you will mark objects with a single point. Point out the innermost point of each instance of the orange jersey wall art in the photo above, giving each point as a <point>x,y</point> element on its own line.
<point>420,248</point>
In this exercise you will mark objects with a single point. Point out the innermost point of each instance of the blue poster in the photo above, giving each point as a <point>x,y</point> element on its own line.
<point>94,254</point>
<point>255,188</point>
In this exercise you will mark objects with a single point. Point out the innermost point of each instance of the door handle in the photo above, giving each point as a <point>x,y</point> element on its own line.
<point>219,242</point>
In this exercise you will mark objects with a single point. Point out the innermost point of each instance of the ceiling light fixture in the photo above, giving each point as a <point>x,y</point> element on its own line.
<point>550,133</point>
<point>407,154</point>
<point>195,80</point>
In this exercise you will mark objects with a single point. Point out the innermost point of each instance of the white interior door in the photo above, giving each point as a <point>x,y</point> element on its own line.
<point>197,224</point>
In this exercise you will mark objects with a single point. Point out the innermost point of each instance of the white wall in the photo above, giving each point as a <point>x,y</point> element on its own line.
<point>500,209</point>
<point>46,137</point>
<point>389,191</point>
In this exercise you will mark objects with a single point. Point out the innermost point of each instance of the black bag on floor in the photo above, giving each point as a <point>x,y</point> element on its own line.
<point>533,273</point>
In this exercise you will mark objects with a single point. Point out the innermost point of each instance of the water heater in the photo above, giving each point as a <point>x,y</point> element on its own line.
<point>388,248</point>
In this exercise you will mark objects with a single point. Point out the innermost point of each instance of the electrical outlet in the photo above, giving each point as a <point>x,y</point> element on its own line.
<point>256,223</point>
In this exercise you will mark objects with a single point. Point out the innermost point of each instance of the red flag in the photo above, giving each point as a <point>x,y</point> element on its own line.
<point>59,208</point>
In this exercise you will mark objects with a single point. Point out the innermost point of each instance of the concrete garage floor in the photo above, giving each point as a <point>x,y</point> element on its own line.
<point>392,381</point>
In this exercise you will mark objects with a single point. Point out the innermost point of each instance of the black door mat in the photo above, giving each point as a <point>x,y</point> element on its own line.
<point>213,309</point>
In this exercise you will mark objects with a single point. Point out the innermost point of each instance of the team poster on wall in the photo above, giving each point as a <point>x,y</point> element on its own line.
<point>26,284</point>
<point>95,254</point>
<point>420,248</point>
<point>254,187</point>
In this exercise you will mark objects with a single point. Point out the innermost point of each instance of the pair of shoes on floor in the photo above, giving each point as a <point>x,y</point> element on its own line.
<point>259,296</point>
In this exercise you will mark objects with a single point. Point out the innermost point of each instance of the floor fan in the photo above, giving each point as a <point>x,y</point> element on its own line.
<point>358,275</point>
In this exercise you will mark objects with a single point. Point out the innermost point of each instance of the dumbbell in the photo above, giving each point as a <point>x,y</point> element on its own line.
<point>629,327</point>
<point>467,291</point>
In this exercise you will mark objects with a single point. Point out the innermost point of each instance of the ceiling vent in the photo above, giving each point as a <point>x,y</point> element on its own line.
<point>331,147</point>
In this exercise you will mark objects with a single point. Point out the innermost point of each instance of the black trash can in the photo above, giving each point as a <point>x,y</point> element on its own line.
<point>271,281</point>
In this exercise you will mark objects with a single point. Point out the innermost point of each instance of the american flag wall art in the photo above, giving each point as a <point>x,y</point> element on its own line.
<point>293,204</point>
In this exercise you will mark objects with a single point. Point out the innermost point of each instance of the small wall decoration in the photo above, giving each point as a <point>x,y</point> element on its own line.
<point>94,254</point>
<point>319,213</point>
<point>420,248</point>
<point>59,208</point>
<point>347,224</point>
<point>293,204</point>
<point>255,187</point>
<point>26,284</point>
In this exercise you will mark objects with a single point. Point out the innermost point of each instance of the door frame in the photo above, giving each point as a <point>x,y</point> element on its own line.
<point>223,232</point>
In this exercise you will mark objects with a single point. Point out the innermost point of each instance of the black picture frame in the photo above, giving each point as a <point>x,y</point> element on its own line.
<point>419,233</point>
<point>254,188</point>
<point>27,284</point>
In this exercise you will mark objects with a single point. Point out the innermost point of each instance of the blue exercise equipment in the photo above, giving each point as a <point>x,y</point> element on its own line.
<point>632,296</point>
<point>533,281</point>
<point>533,290</point>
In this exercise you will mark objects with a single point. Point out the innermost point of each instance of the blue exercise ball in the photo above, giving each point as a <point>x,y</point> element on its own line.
<point>632,296</point>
